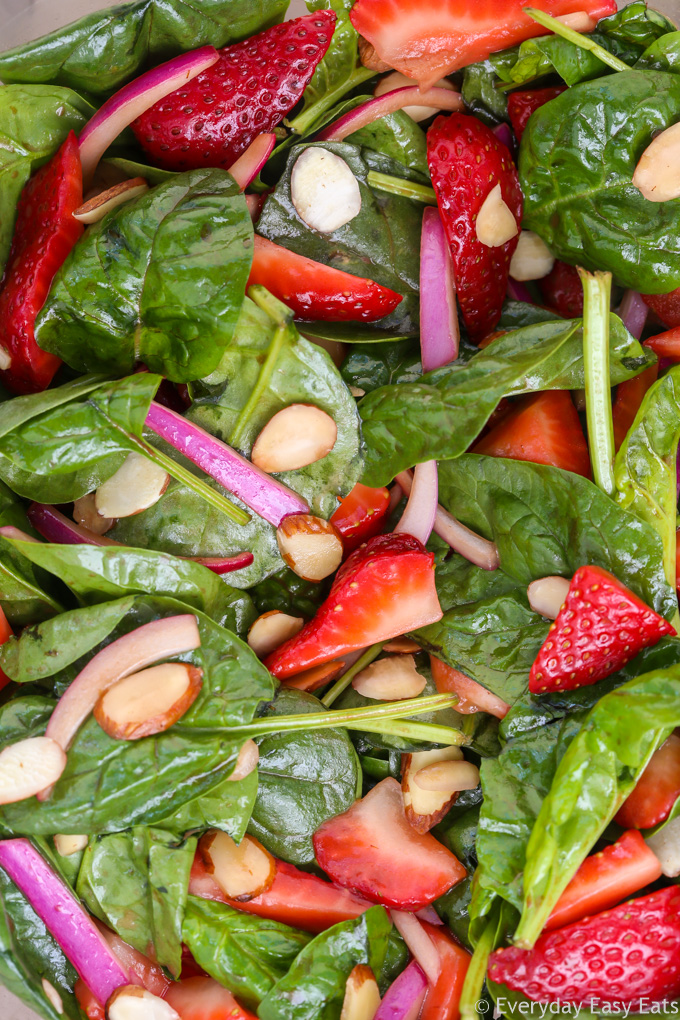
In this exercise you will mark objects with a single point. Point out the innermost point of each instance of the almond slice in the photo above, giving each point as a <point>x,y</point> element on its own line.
<point>66,846</point>
<point>297,436</point>
<point>148,702</point>
<point>136,485</point>
<point>29,766</point>
<point>424,808</point>
<point>547,594</point>
<point>393,678</point>
<point>532,259</point>
<point>248,758</point>
<point>362,996</point>
<point>495,223</point>
<point>578,21</point>
<point>311,679</point>
<point>98,206</point>
<point>85,513</point>
<point>369,58</point>
<point>241,870</point>
<point>402,646</point>
<point>323,190</point>
<point>447,777</point>
<point>657,174</point>
<point>271,630</point>
<point>310,546</point>
<point>132,1002</point>
<point>52,996</point>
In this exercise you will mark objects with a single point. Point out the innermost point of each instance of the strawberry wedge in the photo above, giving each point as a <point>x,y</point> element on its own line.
<point>201,998</point>
<point>657,789</point>
<point>315,291</point>
<point>384,589</point>
<point>374,851</point>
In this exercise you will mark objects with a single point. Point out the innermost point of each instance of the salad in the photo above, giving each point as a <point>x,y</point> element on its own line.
<point>340,379</point>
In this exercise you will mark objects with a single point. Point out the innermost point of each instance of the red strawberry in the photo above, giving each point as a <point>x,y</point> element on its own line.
<point>361,515</point>
<point>666,306</point>
<point>657,789</point>
<point>44,234</point>
<point>201,998</point>
<point>466,163</point>
<point>562,290</point>
<point>666,345</point>
<point>212,119</point>
<point>522,104</point>
<point>600,627</point>
<point>622,955</point>
<point>629,397</point>
<point>382,590</point>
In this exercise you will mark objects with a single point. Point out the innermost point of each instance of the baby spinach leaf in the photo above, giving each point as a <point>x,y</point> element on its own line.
<point>576,164</point>
<point>479,92</point>
<point>159,280</point>
<point>662,55</point>
<point>439,416</point>
<point>245,953</point>
<point>137,883</point>
<point>227,806</point>
<point>398,136</point>
<point>369,365</point>
<point>314,987</point>
<point>27,595</point>
<point>288,593</point>
<point>460,583</point>
<point>104,49</point>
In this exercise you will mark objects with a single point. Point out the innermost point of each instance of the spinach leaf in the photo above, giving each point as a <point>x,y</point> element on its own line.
<point>369,365</point>
<point>34,121</point>
<point>159,280</point>
<point>662,55</point>
<point>576,164</point>
<point>314,987</point>
<point>289,593</point>
<point>245,953</point>
<point>479,92</point>
<point>27,595</point>
<point>103,50</point>
<point>304,779</point>
<point>137,883</point>
<point>439,416</point>
<point>398,136</point>
<point>227,806</point>
<point>460,582</point>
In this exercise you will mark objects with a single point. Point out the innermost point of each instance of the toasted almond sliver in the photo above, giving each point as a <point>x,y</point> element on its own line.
<point>296,436</point>
<point>310,546</point>
<point>315,677</point>
<point>85,513</point>
<point>390,679</point>
<point>362,996</point>
<point>425,808</point>
<point>547,594</point>
<point>67,845</point>
<point>247,760</point>
<point>657,174</point>
<point>148,702</point>
<point>28,767</point>
<point>132,1002</point>
<point>98,206</point>
<point>447,777</point>
<point>136,485</point>
<point>495,224</point>
<point>242,870</point>
<point>271,630</point>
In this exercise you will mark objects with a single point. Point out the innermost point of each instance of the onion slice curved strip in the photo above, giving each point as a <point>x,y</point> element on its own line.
<point>389,102</point>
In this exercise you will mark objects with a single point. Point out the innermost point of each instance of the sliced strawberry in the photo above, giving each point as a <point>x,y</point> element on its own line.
<point>665,345</point>
<point>212,119</point>
<point>5,635</point>
<point>472,697</point>
<point>605,879</point>
<point>201,998</point>
<point>666,306</point>
<point>522,104</point>
<point>443,999</point>
<point>90,1006</point>
<point>140,971</point>
<point>374,851</point>
<point>382,590</point>
<point>543,428</point>
<point>466,163</point>
<point>360,515</point>
<point>656,790</point>
<point>315,291</point>
<point>623,956</point>
<point>427,39</point>
<point>295,898</point>
<point>629,396</point>
<point>600,628</point>
<point>44,234</point>
<point>562,290</point>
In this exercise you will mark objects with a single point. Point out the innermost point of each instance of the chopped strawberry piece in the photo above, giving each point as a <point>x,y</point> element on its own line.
<point>315,291</point>
<point>601,626</point>
<point>657,789</point>
<point>360,515</point>
<point>543,428</point>
<point>629,397</point>
<point>562,290</point>
<point>426,39</point>
<point>140,969</point>
<point>201,998</point>
<point>443,999</point>
<point>212,119</point>
<point>466,163</point>
<point>373,850</point>
<point>295,898</point>
<point>622,956</point>
<point>472,697</point>
<point>5,635</point>
<point>381,591</point>
<point>522,104</point>
<point>44,234</point>
<point>90,1006</point>
<point>665,345</point>
<point>605,879</point>
<point>666,306</point>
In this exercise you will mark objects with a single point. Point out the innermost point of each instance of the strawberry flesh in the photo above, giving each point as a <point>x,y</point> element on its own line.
<point>666,306</point>
<point>201,998</point>
<point>522,104</point>
<point>657,789</point>
<point>562,290</point>
<point>212,119</point>
<point>601,626</point>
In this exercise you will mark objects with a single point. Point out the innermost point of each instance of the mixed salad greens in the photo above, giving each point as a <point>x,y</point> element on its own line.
<point>340,405</point>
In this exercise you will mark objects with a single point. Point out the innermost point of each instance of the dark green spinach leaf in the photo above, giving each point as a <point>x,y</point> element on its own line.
<point>662,55</point>
<point>227,806</point>
<point>369,366</point>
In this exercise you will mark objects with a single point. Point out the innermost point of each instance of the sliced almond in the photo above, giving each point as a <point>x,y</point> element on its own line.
<point>532,259</point>
<point>657,174</point>
<point>495,223</point>
<point>148,702</point>
<point>402,646</point>
<point>447,777</point>
<point>397,80</point>
<point>136,485</point>
<point>369,58</point>
<point>362,996</point>
<point>324,190</point>
<point>132,1002</point>
<point>578,21</point>
<point>52,996</point>
<point>98,206</point>
<point>5,359</point>
<point>311,679</point>
<point>85,513</point>
<point>271,630</point>
<point>248,758</point>
<point>296,436</point>
<point>393,678</point>
<point>547,594</point>
<point>67,845</point>
<point>310,546</point>
<point>425,809</point>
<point>29,766</point>
<point>241,870</point>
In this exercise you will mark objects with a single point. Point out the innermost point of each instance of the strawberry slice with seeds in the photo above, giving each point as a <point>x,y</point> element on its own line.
<point>563,291</point>
<point>522,104</point>
<point>666,306</point>
<point>212,119</point>
<point>467,162</point>
<point>622,956</point>
<point>657,789</point>
<point>601,626</point>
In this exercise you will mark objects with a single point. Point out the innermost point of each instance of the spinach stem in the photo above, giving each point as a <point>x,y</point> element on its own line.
<point>343,682</point>
<point>305,121</point>
<point>258,390</point>
<point>430,732</point>
<point>397,186</point>
<point>577,38</point>
<point>596,299</point>
<point>476,972</point>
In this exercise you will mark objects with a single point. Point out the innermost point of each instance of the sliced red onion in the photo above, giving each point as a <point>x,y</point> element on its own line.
<point>439,334</point>
<point>248,165</point>
<point>503,133</point>
<point>633,313</point>
<point>519,292</point>
<point>259,491</point>
<point>430,915</point>
<point>135,99</point>
<point>9,531</point>
<point>423,949</point>
<point>64,917</point>
<point>404,997</point>
<point>389,102</point>
<point>419,516</point>
<point>223,564</point>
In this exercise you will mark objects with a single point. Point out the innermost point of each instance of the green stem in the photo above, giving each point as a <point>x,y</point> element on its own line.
<point>429,732</point>
<point>304,122</point>
<point>260,387</point>
<point>596,300</point>
<point>397,186</point>
<point>577,38</point>
<point>476,973</point>
<point>343,682</point>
